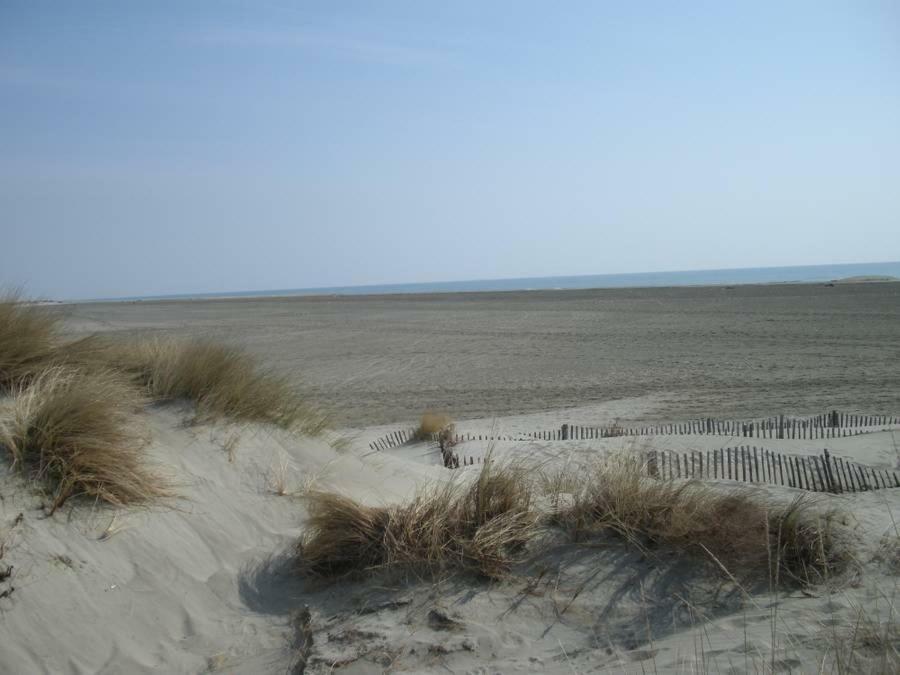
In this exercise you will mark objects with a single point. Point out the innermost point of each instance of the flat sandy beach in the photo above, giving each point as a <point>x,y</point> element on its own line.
<point>746,351</point>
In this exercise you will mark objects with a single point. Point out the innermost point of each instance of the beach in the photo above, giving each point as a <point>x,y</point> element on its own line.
<point>469,339</point>
<point>743,351</point>
<point>682,565</point>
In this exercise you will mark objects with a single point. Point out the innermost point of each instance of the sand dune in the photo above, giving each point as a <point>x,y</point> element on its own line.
<point>205,581</point>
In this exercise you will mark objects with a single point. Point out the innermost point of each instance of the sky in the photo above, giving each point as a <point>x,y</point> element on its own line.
<point>186,147</point>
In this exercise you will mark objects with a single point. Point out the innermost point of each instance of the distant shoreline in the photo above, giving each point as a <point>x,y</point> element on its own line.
<point>276,295</point>
<point>807,274</point>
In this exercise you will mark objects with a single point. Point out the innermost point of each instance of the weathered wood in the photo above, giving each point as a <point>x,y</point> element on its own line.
<point>804,477</point>
<point>833,480</point>
<point>822,485</point>
<point>809,465</point>
<point>861,477</point>
<point>846,484</point>
<point>847,475</point>
<point>857,478</point>
<point>874,473</point>
<point>652,466</point>
<point>870,479</point>
<point>855,485</point>
<point>743,464</point>
<point>756,464</point>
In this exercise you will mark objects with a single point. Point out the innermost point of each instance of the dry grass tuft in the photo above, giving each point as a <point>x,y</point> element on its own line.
<point>434,423</point>
<point>278,477</point>
<point>28,337</point>
<point>477,527</point>
<point>871,644</point>
<point>740,530</point>
<point>483,524</point>
<point>223,381</point>
<point>76,431</point>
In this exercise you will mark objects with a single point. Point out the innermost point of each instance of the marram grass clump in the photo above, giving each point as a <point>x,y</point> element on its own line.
<point>28,340</point>
<point>479,527</point>
<point>222,380</point>
<point>738,530</point>
<point>434,423</point>
<point>485,525</point>
<point>77,432</point>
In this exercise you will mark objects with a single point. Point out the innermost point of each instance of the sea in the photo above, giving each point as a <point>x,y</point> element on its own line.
<point>718,277</point>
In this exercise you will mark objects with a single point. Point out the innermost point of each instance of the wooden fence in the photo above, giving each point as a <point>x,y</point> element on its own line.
<point>394,439</point>
<point>750,464</point>
<point>827,425</point>
<point>817,473</point>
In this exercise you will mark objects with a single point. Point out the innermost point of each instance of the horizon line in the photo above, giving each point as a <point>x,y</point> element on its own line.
<point>343,290</point>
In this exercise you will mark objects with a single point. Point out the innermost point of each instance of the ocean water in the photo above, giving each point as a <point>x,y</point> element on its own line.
<point>724,277</point>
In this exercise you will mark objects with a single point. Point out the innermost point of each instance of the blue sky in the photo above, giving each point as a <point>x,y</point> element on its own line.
<point>169,147</point>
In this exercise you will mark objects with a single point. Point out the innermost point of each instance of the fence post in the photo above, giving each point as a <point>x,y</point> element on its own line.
<point>826,460</point>
<point>565,432</point>
<point>835,484</point>
<point>652,464</point>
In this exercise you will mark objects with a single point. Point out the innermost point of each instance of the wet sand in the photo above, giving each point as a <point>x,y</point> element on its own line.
<point>717,351</point>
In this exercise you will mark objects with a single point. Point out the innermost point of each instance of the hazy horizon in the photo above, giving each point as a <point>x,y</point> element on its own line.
<point>660,278</point>
<point>211,147</point>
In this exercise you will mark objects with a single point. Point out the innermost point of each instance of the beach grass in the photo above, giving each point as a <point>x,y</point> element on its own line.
<point>78,433</point>
<point>736,528</point>
<point>222,380</point>
<point>434,423</point>
<point>478,527</point>
<point>484,525</point>
<point>28,339</point>
<point>73,408</point>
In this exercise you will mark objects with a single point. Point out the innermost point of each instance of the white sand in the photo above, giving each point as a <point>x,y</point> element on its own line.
<point>203,583</point>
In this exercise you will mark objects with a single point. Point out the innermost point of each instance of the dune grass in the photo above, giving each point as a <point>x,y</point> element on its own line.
<point>71,420</point>
<point>481,526</point>
<point>28,339</point>
<point>77,432</point>
<point>478,527</point>
<point>738,529</point>
<point>870,644</point>
<point>222,380</point>
<point>434,423</point>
